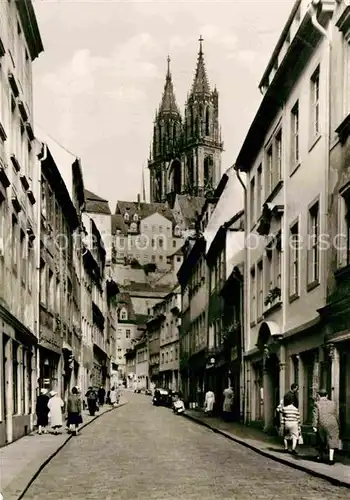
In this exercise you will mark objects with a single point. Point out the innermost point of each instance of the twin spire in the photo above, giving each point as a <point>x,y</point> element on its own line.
<point>200,84</point>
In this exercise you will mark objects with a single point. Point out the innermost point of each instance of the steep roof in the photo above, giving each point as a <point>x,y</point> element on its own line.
<point>190,206</point>
<point>201,83</point>
<point>96,205</point>
<point>124,299</point>
<point>118,224</point>
<point>168,104</point>
<point>144,210</point>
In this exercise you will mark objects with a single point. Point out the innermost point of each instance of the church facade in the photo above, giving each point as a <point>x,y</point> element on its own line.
<point>186,152</point>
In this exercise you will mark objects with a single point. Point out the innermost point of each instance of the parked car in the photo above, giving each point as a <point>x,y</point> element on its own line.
<point>162,397</point>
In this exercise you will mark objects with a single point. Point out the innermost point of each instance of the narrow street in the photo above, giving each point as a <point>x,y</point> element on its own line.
<point>143,452</point>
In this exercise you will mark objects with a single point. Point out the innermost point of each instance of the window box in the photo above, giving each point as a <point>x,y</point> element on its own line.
<point>15,163</point>
<point>30,131</point>
<point>13,84</point>
<point>3,177</point>
<point>22,110</point>
<point>3,134</point>
<point>16,204</point>
<point>31,197</point>
<point>273,295</point>
<point>24,182</point>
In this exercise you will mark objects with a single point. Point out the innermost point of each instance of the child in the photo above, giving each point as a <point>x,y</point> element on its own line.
<point>290,422</point>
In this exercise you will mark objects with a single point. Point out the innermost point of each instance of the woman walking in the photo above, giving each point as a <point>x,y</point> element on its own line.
<point>290,423</point>
<point>42,411</point>
<point>55,405</point>
<point>228,403</point>
<point>209,402</point>
<point>326,424</point>
<point>74,411</point>
<point>113,396</point>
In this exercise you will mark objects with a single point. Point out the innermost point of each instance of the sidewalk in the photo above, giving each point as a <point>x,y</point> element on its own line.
<point>271,447</point>
<point>22,461</point>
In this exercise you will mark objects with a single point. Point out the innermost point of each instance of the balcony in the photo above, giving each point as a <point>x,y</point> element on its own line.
<point>30,131</point>
<point>15,163</point>
<point>15,202</point>
<point>24,182</point>
<point>3,176</point>
<point>13,84</point>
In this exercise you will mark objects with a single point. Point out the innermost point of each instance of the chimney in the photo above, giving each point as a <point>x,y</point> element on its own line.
<point>138,199</point>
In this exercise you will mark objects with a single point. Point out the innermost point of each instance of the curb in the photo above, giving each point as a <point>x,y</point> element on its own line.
<point>296,465</point>
<point>69,437</point>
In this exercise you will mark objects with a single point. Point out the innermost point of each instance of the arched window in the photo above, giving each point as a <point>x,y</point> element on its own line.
<point>133,227</point>
<point>123,314</point>
<point>126,216</point>
<point>174,133</point>
<point>177,231</point>
<point>207,122</point>
<point>136,217</point>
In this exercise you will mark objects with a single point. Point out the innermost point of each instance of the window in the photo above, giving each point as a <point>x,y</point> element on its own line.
<point>174,243</point>
<point>51,291</point>
<point>127,333</point>
<point>295,135</point>
<point>260,286</point>
<point>313,247</point>
<point>30,253</point>
<point>258,190</point>
<point>343,243</point>
<point>126,216</point>
<point>315,103</point>
<point>252,295</point>
<point>252,203</point>
<point>294,261</point>
<point>123,314</point>
<point>269,170</point>
<point>14,243</point>
<point>133,227</point>
<point>273,159</point>
<point>42,282</point>
<point>135,218</point>
<point>23,258</point>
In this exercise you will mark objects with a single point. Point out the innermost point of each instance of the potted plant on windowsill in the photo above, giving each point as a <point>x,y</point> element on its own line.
<point>273,296</point>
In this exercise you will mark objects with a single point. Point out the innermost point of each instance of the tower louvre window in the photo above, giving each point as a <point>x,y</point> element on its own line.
<point>207,122</point>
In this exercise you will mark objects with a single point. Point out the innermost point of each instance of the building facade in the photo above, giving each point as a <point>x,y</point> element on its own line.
<point>285,156</point>
<point>20,45</point>
<point>335,314</point>
<point>186,152</point>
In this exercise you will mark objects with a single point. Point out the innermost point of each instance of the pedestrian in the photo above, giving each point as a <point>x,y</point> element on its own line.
<point>108,399</point>
<point>91,398</point>
<point>74,411</point>
<point>326,424</point>
<point>101,396</point>
<point>292,393</point>
<point>113,396</point>
<point>228,403</point>
<point>209,402</point>
<point>42,411</point>
<point>290,423</point>
<point>55,406</point>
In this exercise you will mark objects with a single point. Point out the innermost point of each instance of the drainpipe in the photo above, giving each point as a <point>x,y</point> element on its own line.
<point>326,33</point>
<point>41,157</point>
<point>244,284</point>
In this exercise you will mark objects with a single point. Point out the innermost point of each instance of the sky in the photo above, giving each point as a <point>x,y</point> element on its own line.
<point>100,80</point>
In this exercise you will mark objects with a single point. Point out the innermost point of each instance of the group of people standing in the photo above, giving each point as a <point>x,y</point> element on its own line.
<point>50,407</point>
<point>325,423</point>
<point>227,405</point>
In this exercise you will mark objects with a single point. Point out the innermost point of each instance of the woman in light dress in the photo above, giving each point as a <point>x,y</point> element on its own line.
<point>209,402</point>
<point>228,403</point>
<point>55,406</point>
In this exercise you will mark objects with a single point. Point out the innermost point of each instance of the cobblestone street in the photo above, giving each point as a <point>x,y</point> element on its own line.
<point>145,452</point>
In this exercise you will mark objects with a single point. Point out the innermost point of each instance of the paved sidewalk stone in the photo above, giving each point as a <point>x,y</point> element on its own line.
<point>21,460</point>
<point>271,447</point>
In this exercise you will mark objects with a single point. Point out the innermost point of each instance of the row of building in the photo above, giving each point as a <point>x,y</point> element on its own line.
<point>58,308</point>
<point>265,292</point>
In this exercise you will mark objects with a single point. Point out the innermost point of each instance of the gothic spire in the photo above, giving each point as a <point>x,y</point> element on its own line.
<point>168,104</point>
<point>200,83</point>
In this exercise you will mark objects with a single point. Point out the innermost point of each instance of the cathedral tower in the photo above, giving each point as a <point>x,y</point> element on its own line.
<point>202,146</point>
<point>186,157</point>
<point>166,146</point>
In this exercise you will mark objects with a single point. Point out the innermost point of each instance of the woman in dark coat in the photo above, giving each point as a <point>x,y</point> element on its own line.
<point>74,411</point>
<point>42,411</point>
<point>326,424</point>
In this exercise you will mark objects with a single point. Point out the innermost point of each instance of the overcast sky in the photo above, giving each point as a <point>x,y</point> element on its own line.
<point>101,77</point>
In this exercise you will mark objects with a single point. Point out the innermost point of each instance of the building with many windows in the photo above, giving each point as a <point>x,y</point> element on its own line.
<point>336,313</point>
<point>20,45</point>
<point>285,156</point>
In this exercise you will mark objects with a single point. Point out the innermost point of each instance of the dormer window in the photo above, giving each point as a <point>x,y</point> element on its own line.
<point>126,216</point>
<point>123,314</point>
<point>177,231</point>
<point>136,218</point>
<point>133,227</point>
